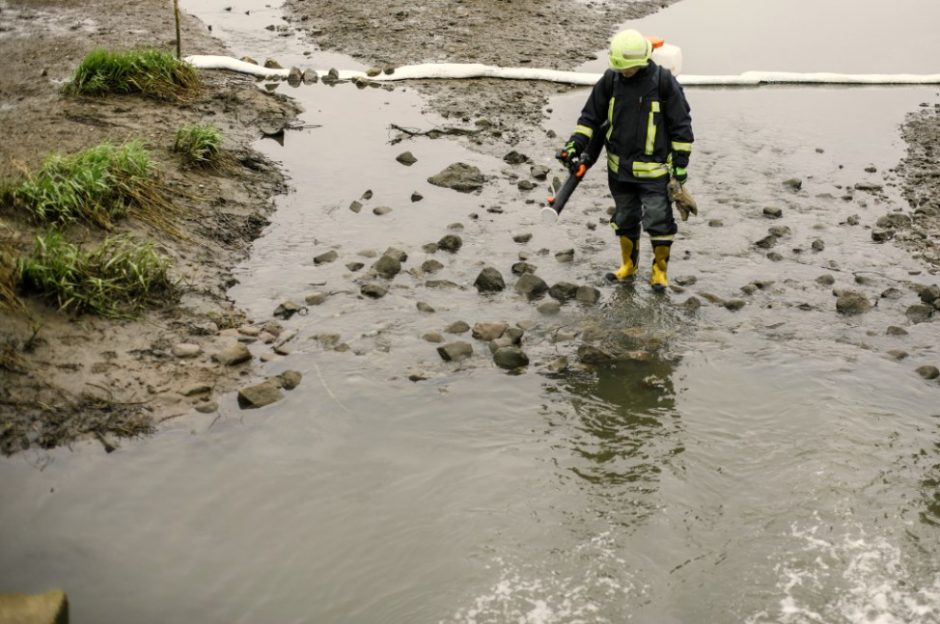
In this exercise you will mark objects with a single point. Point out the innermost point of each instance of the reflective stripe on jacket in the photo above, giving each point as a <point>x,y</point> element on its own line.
<point>650,124</point>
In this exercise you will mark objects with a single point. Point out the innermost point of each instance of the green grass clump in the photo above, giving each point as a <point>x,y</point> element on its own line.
<point>199,144</point>
<point>150,72</point>
<point>96,185</point>
<point>117,279</point>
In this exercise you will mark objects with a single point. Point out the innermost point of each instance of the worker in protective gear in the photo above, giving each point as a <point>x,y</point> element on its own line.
<point>648,141</point>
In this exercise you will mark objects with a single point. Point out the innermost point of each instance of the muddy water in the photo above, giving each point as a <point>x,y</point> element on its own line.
<point>772,464</point>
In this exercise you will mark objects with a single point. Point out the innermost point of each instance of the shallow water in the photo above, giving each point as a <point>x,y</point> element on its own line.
<point>766,465</point>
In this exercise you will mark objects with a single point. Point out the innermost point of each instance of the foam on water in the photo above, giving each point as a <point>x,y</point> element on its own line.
<point>536,593</point>
<point>853,578</point>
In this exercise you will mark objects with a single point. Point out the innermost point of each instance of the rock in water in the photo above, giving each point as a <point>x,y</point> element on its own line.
<point>531,285</point>
<point>455,351</point>
<point>460,177</point>
<point>852,302</point>
<point>406,158</point>
<point>510,358</point>
<point>489,280</point>
<point>260,395</point>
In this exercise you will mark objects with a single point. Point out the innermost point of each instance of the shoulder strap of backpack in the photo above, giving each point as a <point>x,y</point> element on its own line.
<point>664,75</point>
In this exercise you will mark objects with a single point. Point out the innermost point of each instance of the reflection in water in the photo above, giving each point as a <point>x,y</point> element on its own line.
<point>624,420</point>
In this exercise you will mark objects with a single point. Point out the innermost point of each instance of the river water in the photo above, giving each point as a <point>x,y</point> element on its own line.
<point>773,464</point>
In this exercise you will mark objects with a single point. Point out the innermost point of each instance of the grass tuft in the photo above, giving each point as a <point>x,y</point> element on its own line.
<point>199,144</point>
<point>150,72</point>
<point>8,298</point>
<point>116,280</point>
<point>97,185</point>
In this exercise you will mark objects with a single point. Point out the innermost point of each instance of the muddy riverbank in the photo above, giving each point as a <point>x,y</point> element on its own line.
<point>65,377</point>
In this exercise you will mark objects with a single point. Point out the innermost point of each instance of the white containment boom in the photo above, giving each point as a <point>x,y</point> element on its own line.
<point>451,71</point>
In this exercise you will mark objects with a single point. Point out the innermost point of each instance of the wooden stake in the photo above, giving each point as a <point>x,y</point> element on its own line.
<point>176,13</point>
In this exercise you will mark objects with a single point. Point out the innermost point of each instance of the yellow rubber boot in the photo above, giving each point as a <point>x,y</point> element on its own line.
<point>630,254</point>
<point>658,278</point>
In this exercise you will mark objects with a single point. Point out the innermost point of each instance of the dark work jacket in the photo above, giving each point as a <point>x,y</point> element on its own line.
<point>650,132</point>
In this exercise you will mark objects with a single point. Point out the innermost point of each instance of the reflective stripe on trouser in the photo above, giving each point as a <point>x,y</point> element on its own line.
<point>641,204</point>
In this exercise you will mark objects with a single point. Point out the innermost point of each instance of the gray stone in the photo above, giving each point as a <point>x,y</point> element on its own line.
<point>325,258</point>
<point>424,307</point>
<point>893,221</point>
<point>396,253</point>
<point>919,313</point>
<point>767,242</point>
<point>315,298</point>
<point>558,365</point>
<point>373,290</point>
<point>692,304</point>
<point>929,294</point>
<point>525,185</point>
<point>515,158</point>
<point>563,291</point>
<point>716,223</point>
<point>549,308</point>
<point>826,279</point>
<point>489,280</point>
<point>355,206</point>
<point>460,177</point>
<point>406,158</point>
<point>793,184</point>
<point>354,266</point>
<point>381,210</point>
<point>489,330</point>
<point>207,407</point>
<point>772,212</point>
<point>289,379</point>
<point>287,309</point>
<point>688,280</point>
<point>196,388</point>
<point>457,327</point>
<point>522,238</point>
<point>928,372</point>
<point>431,266</point>
<point>433,337</point>
<point>773,256</point>
<point>539,172</point>
<point>881,236</point>
<point>589,354</point>
<point>455,351</point>
<point>232,354</point>
<point>185,350</point>
<point>898,354</point>
<point>735,304</point>
<point>818,244</point>
<point>295,77</point>
<point>249,330</point>
<point>566,255</point>
<point>851,302</point>
<point>416,196</point>
<point>510,358</point>
<point>523,267</point>
<point>779,230</point>
<point>588,295</point>
<point>894,330</point>
<point>892,294</point>
<point>441,284</point>
<point>515,334</point>
<point>259,395</point>
<point>450,242</point>
<point>531,285</point>
<point>387,266</point>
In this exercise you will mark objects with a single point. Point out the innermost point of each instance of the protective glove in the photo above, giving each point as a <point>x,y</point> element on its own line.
<point>684,201</point>
<point>570,154</point>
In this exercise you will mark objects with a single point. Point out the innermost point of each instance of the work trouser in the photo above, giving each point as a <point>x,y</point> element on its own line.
<point>638,204</point>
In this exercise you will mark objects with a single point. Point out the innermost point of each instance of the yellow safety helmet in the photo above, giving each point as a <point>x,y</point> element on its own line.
<point>629,48</point>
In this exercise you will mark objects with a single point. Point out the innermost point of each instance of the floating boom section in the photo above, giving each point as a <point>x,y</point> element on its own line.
<point>451,71</point>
